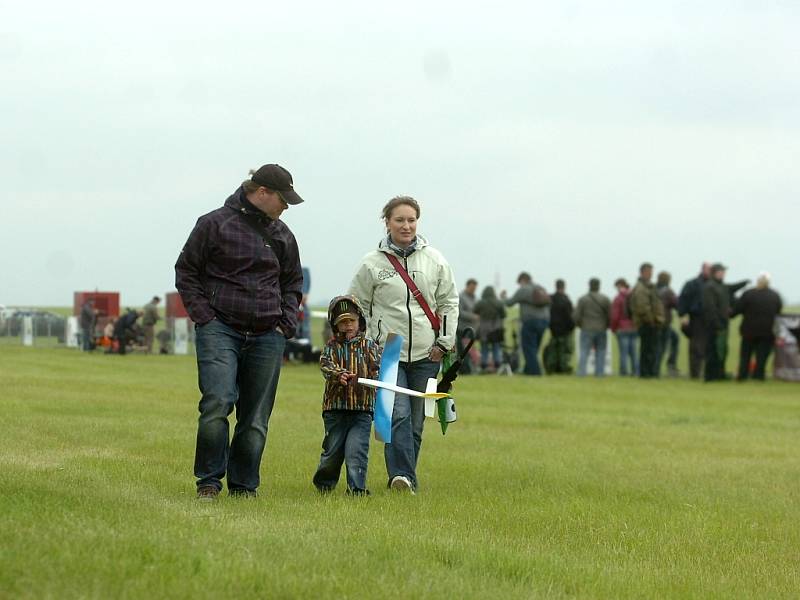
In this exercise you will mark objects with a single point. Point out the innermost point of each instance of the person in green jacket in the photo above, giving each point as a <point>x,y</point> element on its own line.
<point>647,311</point>
<point>149,321</point>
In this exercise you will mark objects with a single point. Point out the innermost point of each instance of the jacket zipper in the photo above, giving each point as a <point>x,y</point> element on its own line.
<point>253,285</point>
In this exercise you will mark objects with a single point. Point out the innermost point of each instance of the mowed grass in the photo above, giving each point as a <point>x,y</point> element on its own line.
<point>545,487</point>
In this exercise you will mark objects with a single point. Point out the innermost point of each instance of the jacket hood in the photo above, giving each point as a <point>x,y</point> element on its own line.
<point>238,201</point>
<point>362,321</point>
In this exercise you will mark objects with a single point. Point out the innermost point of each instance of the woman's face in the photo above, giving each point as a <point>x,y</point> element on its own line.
<point>402,224</point>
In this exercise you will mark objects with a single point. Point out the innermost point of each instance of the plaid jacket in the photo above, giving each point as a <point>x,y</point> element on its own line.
<point>361,356</point>
<point>227,271</point>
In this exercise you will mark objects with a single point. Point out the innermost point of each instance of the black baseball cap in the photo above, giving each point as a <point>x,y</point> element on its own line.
<point>276,178</point>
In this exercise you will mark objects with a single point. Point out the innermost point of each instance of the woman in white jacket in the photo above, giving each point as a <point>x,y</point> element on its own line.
<point>391,308</point>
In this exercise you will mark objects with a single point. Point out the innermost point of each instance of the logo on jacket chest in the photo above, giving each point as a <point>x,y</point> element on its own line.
<point>384,274</point>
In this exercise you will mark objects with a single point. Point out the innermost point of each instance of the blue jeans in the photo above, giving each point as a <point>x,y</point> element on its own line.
<point>668,341</point>
<point>346,441</point>
<point>408,419</point>
<point>589,340</point>
<point>87,341</point>
<point>627,353</point>
<point>241,371</point>
<point>497,355</point>
<point>531,337</point>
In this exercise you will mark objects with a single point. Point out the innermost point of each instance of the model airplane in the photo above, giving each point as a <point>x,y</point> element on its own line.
<point>385,385</point>
<point>437,403</point>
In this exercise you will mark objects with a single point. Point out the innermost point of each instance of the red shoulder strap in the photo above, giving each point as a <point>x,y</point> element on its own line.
<point>398,266</point>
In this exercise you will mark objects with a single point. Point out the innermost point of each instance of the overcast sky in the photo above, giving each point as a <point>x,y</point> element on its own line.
<point>570,139</point>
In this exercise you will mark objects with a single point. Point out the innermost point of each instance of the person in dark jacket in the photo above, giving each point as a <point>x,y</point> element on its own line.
<point>88,323</point>
<point>758,307</point>
<point>690,306</point>
<point>558,352</point>
<point>668,339</point>
<point>491,312</point>
<point>716,311</point>
<point>240,279</point>
<point>124,329</point>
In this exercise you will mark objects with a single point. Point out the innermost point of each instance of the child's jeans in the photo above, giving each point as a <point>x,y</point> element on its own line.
<point>346,440</point>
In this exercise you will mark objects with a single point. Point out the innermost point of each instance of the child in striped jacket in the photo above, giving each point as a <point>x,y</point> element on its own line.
<point>347,406</point>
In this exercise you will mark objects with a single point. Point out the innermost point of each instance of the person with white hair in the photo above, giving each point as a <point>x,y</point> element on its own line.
<point>758,306</point>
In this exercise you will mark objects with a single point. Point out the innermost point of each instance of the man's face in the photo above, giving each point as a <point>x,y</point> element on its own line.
<point>269,202</point>
<point>647,273</point>
<point>471,287</point>
<point>719,275</point>
<point>348,327</point>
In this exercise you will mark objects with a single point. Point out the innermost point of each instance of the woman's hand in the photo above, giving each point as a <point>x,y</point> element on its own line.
<point>436,354</point>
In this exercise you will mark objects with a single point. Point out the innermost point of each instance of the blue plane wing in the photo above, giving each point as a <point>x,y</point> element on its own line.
<point>384,400</point>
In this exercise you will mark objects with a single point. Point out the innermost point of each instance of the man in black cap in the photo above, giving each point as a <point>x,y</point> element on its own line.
<point>240,280</point>
<point>716,311</point>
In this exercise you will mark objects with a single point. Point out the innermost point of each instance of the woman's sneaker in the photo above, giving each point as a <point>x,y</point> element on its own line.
<point>401,483</point>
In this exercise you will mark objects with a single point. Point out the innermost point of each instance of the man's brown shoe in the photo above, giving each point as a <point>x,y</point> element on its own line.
<point>207,493</point>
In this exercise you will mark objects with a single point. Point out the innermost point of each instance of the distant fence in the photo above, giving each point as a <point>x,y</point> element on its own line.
<point>43,329</point>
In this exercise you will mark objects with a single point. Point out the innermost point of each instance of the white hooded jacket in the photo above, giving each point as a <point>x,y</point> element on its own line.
<point>390,307</point>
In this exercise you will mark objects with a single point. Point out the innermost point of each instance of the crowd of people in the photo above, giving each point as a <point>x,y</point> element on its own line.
<point>642,318</point>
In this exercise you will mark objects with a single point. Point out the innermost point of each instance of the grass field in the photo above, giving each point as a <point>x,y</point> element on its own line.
<point>545,487</point>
